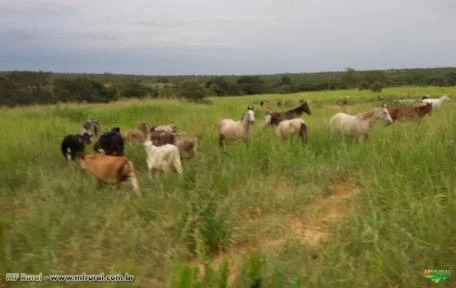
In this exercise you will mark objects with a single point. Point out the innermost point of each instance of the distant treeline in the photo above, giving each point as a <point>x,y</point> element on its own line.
<point>26,88</point>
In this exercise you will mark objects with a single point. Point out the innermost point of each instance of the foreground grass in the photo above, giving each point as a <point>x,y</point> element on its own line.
<point>243,212</point>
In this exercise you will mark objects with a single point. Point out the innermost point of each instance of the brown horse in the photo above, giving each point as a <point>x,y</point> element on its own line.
<point>398,113</point>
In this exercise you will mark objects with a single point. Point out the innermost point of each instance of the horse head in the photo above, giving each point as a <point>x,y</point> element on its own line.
<point>250,114</point>
<point>385,115</point>
<point>304,107</point>
<point>267,119</point>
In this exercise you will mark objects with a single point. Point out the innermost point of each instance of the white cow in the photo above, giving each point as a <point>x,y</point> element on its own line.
<point>164,158</point>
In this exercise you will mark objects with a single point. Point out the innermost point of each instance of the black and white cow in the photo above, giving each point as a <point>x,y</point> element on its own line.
<point>111,143</point>
<point>73,145</point>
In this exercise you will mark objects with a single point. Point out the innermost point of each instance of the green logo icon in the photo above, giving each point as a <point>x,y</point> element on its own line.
<point>437,276</point>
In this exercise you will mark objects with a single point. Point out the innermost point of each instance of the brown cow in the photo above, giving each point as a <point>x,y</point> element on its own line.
<point>134,136</point>
<point>110,169</point>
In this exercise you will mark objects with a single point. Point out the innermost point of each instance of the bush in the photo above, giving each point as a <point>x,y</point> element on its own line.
<point>219,86</point>
<point>363,85</point>
<point>82,89</point>
<point>377,86</point>
<point>26,88</point>
<point>205,225</point>
<point>192,91</point>
<point>134,89</point>
<point>251,85</point>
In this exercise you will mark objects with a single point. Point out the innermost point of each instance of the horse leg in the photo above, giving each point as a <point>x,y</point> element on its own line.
<point>221,141</point>
<point>303,133</point>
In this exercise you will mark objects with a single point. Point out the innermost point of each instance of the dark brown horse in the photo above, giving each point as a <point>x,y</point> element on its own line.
<point>274,118</point>
<point>399,113</point>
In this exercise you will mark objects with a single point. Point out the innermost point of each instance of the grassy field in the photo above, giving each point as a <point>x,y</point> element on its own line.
<point>330,214</point>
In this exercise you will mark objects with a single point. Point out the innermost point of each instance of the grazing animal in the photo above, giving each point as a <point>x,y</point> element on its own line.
<point>160,137</point>
<point>341,102</point>
<point>266,105</point>
<point>73,145</point>
<point>187,145</point>
<point>111,142</point>
<point>162,158</point>
<point>398,113</point>
<point>276,117</point>
<point>110,169</point>
<point>134,136</point>
<point>231,130</point>
<point>360,124</point>
<point>167,128</point>
<point>93,128</point>
<point>406,101</point>
<point>144,127</point>
<point>437,102</point>
<point>288,128</point>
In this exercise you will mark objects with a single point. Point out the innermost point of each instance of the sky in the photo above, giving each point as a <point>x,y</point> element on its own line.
<point>213,37</point>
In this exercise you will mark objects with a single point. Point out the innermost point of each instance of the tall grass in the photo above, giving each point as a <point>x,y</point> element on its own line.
<point>55,220</point>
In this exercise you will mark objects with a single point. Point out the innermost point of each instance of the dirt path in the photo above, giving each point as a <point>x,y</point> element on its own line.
<point>311,227</point>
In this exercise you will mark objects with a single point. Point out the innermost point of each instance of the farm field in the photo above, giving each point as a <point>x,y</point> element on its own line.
<point>331,213</point>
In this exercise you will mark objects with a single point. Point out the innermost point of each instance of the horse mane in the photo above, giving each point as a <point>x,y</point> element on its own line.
<point>367,115</point>
<point>298,109</point>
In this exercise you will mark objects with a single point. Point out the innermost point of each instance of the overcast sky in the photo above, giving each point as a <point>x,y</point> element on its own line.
<point>225,36</point>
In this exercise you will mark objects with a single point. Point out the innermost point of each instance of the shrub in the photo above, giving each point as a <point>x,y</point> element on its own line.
<point>192,91</point>
<point>363,85</point>
<point>134,89</point>
<point>377,86</point>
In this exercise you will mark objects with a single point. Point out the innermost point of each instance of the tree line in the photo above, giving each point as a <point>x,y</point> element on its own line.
<point>27,88</point>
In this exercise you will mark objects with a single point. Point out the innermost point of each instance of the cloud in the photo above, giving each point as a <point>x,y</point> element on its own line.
<point>237,36</point>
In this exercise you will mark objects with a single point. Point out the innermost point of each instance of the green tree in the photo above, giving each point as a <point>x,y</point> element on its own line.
<point>377,86</point>
<point>349,78</point>
<point>82,89</point>
<point>363,85</point>
<point>251,84</point>
<point>220,86</point>
<point>192,91</point>
<point>285,80</point>
<point>134,89</point>
<point>26,88</point>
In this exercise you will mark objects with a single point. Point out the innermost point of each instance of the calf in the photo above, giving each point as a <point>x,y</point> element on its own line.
<point>111,142</point>
<point>187,146</point>
<point>171,128</point>
<point>72,145</point>
<point>162,158</point>
<point>93,128</point>
<point>134,136</point>
<point>110,169</point>
<point>144,127</point>
<point>160,137</point>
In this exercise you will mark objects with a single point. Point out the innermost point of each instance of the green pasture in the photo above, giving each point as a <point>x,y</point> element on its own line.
<point>238,215</point>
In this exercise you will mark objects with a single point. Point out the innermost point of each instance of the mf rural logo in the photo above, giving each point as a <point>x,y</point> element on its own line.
<point>437,276</point>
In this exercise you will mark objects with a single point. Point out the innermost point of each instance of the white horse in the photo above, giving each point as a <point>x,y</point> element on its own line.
<point>436,102</point>
<point>360,124</point>
<point>288,128</point>
<point>229,129</point>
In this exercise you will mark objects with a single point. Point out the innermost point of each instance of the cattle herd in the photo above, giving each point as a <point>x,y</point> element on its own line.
<point>165,146</point>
